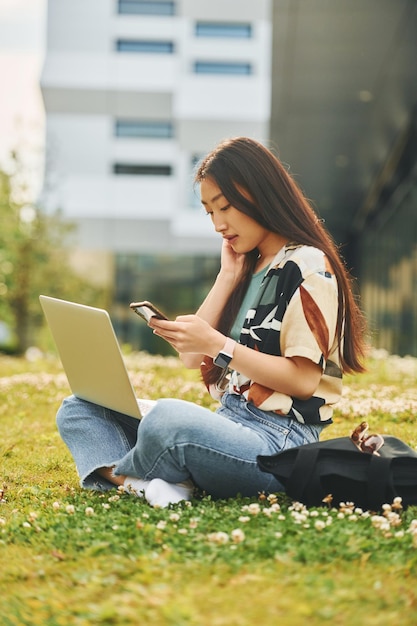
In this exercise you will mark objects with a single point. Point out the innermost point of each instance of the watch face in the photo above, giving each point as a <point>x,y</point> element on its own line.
<point>222,360</point>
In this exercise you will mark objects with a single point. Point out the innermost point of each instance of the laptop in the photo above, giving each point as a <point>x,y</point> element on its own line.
<point>91,356</point>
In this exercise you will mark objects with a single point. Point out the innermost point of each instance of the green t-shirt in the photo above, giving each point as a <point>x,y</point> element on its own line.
<point>254,285</point>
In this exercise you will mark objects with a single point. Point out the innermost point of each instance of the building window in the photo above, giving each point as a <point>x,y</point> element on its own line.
<point>223,29</point>
<point>218,67</point>
<point>143,129</point>
<point>140,7</point>
<point>150,47</point>
<point>142,170</point>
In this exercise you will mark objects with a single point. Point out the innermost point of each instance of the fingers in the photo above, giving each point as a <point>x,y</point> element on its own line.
<point>156,323</point>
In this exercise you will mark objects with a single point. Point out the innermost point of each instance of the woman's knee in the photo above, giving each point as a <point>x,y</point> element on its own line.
<point>62,413</point>
<point>69,409</point>
<point>169,421</point>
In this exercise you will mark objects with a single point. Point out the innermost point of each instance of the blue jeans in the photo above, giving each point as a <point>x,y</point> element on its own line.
<point>179,441</point>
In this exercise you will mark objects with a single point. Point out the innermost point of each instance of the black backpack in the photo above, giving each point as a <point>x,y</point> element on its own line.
<point>337,468</point>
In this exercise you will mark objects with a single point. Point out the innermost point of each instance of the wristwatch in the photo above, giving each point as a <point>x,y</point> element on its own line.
<point>226,354</point>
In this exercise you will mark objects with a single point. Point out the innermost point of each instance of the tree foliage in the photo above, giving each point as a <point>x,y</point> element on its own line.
<point>34,259</point>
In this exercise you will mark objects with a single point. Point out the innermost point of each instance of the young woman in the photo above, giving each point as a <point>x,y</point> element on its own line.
<point>272,338</point>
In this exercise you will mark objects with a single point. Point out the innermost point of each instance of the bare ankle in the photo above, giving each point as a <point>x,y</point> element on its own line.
<point>107,472</point>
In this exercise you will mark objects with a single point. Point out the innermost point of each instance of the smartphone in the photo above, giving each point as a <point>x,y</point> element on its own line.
<point>146,310</point>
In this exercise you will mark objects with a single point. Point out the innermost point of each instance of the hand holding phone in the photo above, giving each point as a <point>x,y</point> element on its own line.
<point>146,310</point>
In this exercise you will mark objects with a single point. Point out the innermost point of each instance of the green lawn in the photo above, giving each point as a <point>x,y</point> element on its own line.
<point>71,557</point>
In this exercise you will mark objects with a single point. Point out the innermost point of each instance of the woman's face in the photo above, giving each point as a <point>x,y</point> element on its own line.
<point>241,231</point>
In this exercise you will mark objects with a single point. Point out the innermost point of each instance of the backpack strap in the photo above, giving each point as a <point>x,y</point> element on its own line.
<point>302,473</point>
<point>380,486</point>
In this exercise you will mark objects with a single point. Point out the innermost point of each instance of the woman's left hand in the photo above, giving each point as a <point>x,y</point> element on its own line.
<point>189,333</point>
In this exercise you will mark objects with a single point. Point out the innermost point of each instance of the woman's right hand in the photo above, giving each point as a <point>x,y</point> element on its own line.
<point>231,261</point>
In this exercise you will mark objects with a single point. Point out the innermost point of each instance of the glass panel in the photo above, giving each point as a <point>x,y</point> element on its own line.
<point>140,7</point>
<point>218,67</point>
<point>223,29</point>
<point>174,283</point>
<point>388,276</point>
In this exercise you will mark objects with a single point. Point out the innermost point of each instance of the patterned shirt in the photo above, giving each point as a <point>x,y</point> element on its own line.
<point>295,314</point>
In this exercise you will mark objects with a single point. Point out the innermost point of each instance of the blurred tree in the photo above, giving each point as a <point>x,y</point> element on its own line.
<point>34,259</point>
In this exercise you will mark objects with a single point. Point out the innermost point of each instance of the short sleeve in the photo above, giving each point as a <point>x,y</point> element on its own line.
<point>309,323</point>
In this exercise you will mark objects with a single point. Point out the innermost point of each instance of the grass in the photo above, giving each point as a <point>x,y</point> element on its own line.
<point>72,557</point>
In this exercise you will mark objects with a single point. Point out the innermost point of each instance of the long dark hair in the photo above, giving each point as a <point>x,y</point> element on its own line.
<point>255,182</point>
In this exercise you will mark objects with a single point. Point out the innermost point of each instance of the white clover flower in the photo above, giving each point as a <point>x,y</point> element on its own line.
<point>220,538</point>
<point>2,521</point>
<point>267,512</point>
<point>174,517</point>
<point>27,525</point>
<point>353,518</point>
<point>299,518</point>
<point>105,505</point>
<point>114,498</point>
<point>70,509</point>
<point>237,535</point>
<point>319,524</point>
<point>194,522</point>
<point>182,531</point>
<point>89,511</point>
<point>243,519</point>
<point>314,513</point>
<point>32,516</point>
<point>394,519</point>
<point>297,506</point>
<point>413,527</point>
<point>56,506</point>
<point>281,518</point>
<point>161,525</point>
<point>397,503</point>
<point>254,508</point>
<point>278,535</point>
<point>380,522</point>
<point>145,515</point>
<point>275,508</point>
<point>115,527</point>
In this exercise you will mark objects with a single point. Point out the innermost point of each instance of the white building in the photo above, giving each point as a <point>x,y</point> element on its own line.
<point>135,93</point>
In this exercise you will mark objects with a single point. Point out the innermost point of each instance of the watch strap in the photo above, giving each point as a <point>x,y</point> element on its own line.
<point>226,353</point>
